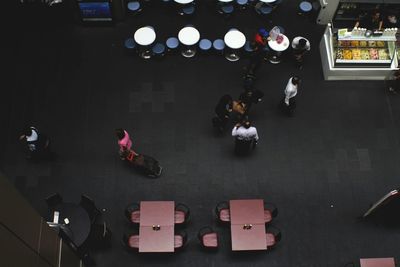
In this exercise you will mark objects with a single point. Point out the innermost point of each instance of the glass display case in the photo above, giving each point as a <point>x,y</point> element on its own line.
<point>364,51</point>
<point>351,55</point>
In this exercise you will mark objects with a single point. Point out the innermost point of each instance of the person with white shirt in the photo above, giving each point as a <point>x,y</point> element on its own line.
<point>246,136</point>
<point>289,102</point>
<point>300,46</point>
<point>36,142</point>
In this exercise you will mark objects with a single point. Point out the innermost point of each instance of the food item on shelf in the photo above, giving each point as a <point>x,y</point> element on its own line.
<point>380,44</point>
<point>383,54</point>
<point>363,43</point>
<point>347,54</point>
<point>339,54</point>
<point>365,54</point>
<point>354,43</point>
<point>344,43</point>
<point>373,53</point>
<point>371,43</point>
<point>356,54</point>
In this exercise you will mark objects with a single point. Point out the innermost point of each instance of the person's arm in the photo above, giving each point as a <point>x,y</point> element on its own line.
<point>357,24</point>
<point>287,92</point>
<point>235,130</point>
<point>256,134</point>
<point>380,25</point>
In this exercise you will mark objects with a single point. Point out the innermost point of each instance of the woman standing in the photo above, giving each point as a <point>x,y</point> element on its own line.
<point>124,141</point>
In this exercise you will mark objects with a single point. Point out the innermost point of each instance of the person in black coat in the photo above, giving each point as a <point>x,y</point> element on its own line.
<point>251,96</point>
<point>222,112</point>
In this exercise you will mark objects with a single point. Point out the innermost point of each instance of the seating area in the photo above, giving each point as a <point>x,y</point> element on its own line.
<point>157,71</point>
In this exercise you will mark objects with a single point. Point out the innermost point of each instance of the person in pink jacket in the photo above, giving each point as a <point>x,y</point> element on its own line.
<point>124,141</point>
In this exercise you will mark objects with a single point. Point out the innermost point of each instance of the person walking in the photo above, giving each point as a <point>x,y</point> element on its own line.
<point>124,141</point>
<point>222,112</point>
<point>300,46</point>
<point>246,136</point>
<point>289,101</point>
<point>36,143</point>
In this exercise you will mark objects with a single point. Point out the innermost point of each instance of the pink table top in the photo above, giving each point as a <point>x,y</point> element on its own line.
<point>157,213</point>
<point>247,211</point>
<point>377,262</point>
<point>248,239</point>
<point>156,241</point>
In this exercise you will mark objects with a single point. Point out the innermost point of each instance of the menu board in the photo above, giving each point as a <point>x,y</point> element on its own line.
<point>95,11</point>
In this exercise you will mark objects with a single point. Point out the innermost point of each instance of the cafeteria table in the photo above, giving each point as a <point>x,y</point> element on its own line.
<point>144,37</point>
<point>377,262</point>
<point>234,39</point>
<point>278,48</point>
<point>247,224</point>
<point>183,2</point>
<point>156,231</point>
<point>79,225</point>
<point>268,1</point>
<point>189,36</point>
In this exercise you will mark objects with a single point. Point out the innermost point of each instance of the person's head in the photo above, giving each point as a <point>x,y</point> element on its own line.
<point>120,133</point>
<point>376,14</point>
<point>263,32</point>
<point>296,80</point>
<point>302,43</point>
<point>392,18</point>
<point>246,123</point>
<point>28,131</point>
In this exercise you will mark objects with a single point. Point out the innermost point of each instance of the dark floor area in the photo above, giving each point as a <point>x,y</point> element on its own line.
<point>322,168</point>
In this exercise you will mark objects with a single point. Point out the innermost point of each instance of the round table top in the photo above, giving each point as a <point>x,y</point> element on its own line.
<point>267,1</point>
<point>235,39</point>
<point>79,225</point>
<point>225,1</point>
<point>145,36</point>
<point>183,2</point>
<point>189,35</point>
<point>279,47</point>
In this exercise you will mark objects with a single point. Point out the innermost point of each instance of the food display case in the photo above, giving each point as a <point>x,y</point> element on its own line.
<point>364,52</point>
<point>357,57</point>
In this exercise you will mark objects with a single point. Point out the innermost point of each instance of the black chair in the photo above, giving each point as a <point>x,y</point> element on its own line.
<point>132,213</point>
<point>54,200</point>
<point>180,240</point>
<point>222,211</point>
<point>100,236</point>
<point>273,236</point>
<point>88,204</point>
<point>270,212</point>
<point>182,214</point>
<point>208,238</point>
<point>131,241</point>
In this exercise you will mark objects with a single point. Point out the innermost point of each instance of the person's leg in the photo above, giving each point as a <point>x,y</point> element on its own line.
<point>292,106</point>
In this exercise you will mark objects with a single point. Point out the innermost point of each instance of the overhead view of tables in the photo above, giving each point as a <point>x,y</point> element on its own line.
<point>234,39</point>
<point>189,36</point>
<point>278,48</point>
<point>247,224</point>
<point>156,230</point>
<point>144,37</point>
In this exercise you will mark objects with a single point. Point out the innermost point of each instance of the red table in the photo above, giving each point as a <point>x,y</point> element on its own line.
<point>377,262</point>
<point>156,213</point>
<point>247,211</point>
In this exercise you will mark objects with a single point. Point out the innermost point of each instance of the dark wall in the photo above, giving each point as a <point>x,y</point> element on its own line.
<point>25,238</point>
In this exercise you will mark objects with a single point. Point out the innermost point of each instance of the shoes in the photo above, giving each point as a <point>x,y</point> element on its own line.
<point>392,90</point>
